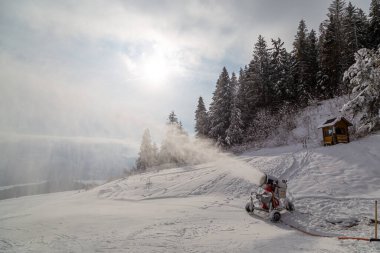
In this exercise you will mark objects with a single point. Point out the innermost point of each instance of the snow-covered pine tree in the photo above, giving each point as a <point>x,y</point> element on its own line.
<point>300,55</point>
<point>242,97</point>
<point>312,66</point>
<point>305,66</point>
<point>260,72</point>
<point>362,29</point>
<point>280,76</point>
<point>321,77</point>
<point>234,134</point>
<point>350,35</point>
<point>354,39</point>
<point>220,108</point>
<point>331,50</point>
<point>255,88</point>
<point>355,30</point>
<point>364,78</point>
<point>234,83</point>
<point>201,120</point>
<point>146,158</point>
<point>172,119</point>
<point>374,23</point>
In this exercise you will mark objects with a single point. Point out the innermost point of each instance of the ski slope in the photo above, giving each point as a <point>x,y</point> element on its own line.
<point>201,208</point>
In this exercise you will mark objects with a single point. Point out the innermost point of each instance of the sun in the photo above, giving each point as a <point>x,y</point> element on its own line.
<point>156,69</point>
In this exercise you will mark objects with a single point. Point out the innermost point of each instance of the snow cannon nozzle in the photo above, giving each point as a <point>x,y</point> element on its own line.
<point>267,179</point>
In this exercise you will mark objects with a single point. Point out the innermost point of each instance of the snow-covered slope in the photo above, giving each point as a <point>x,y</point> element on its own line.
<point>336,184</point>
<point>201,208</point>
<point>229,177</point>
<point>344,170</point>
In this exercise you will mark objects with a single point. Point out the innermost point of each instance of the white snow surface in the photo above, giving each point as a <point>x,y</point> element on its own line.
<point>201,208</point>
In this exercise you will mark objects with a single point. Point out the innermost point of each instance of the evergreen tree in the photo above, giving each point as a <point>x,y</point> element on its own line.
<point>260,72</point>
<point>362,29</point>
<point>305,66</point>
<point>300,62</point>
<point>355,29</point>
<point>280,72</point>
<point>172,119</point>
<point>255,86</point>
<point>364,79</point>
<point>322,78</point>
<point>234,83</point>
<point>351,29</point>
<point>220,108</point>
<point>374,23</point>
<point>146,158</point>
<point>201,120</point>
<point>242,97</point>
<point>331,51</point>
<point>312,65</point>
<point>234,134</point>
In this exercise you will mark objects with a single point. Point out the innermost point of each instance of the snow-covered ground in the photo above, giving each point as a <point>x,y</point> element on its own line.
<point>201,208</point>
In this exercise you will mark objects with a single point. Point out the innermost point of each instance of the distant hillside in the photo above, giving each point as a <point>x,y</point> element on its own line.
<point>35,159</point>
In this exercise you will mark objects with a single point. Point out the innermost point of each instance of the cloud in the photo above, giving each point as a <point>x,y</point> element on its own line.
<point>195,29</point>
<point>188,26</point>
<point>75,67</point>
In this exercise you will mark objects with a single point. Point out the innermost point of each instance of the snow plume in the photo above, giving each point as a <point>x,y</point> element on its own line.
<point>364,79</point>
<point>179,149</point>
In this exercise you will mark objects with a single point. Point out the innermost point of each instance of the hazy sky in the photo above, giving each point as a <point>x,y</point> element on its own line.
<point>109,69</point>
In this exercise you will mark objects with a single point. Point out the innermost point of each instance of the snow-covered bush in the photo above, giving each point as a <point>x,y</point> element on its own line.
<point>260,128</point>
<point>285,123</point>
<point>280,125</point>
<point>364,79</point>
<point>272,127</point>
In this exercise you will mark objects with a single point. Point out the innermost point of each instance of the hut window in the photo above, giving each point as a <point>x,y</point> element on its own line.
<point>340,131</point>
<point>329,132</point>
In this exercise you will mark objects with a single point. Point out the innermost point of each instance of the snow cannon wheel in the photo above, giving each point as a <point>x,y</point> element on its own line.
<point>249,207</point>
<point>275,216</point>
<point>290,207</point>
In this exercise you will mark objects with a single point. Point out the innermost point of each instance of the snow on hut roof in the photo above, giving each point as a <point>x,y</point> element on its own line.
<point>333,121</point>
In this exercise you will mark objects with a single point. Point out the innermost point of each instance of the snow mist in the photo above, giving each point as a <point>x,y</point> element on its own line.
<point>180,150</point>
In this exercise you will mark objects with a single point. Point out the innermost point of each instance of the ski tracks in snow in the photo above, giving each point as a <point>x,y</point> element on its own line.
<point>297,164</point>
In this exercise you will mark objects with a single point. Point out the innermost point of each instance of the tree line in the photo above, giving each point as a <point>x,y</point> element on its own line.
<point>274,81</point>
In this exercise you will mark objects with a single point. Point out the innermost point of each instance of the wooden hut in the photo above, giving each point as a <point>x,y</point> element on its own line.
<point>335,131</point>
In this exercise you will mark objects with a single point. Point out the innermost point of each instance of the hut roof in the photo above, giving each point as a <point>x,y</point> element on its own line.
<point>333,121</point>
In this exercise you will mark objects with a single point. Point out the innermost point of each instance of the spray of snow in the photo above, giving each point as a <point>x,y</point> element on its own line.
<point>191,151</point>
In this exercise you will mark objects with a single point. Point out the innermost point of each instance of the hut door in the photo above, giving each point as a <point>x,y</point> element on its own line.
<point>334,136</point>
